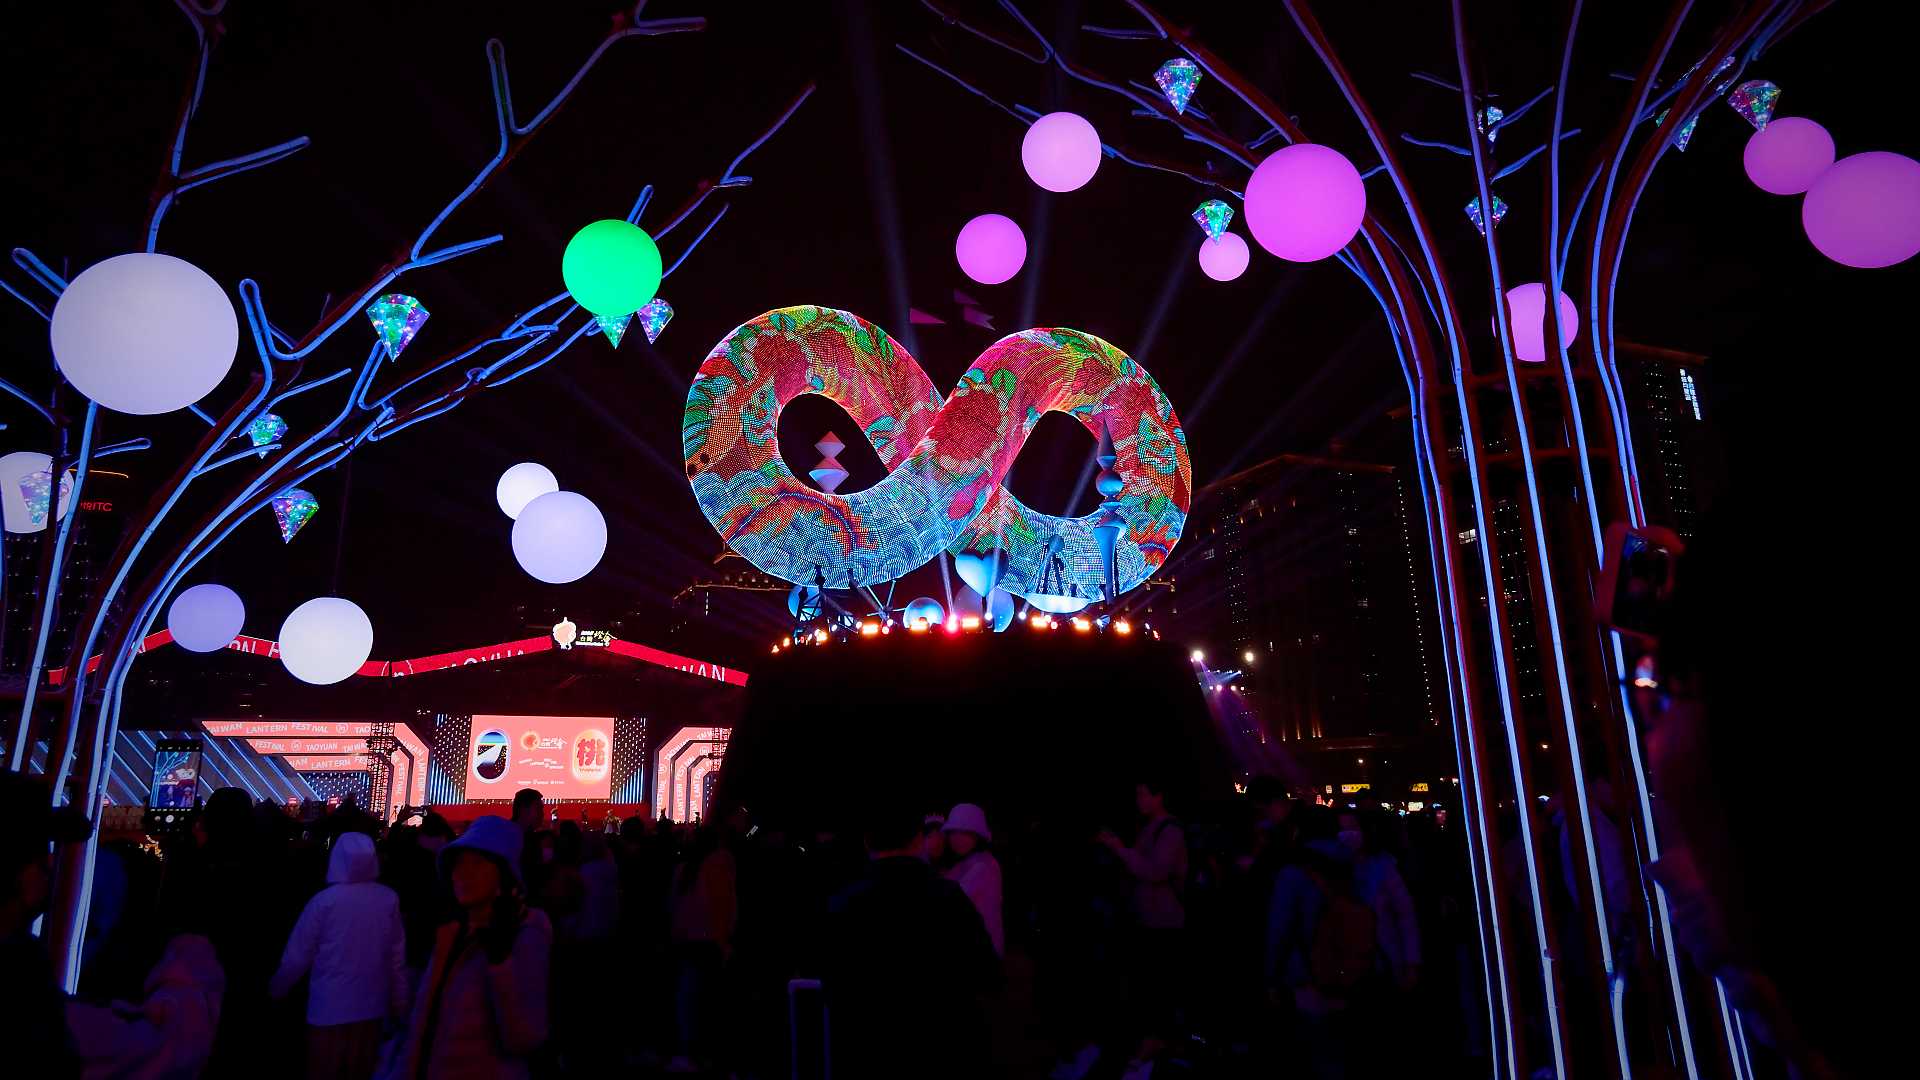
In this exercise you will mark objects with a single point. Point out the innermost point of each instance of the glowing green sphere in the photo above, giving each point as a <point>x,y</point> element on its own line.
<point>611,267</point>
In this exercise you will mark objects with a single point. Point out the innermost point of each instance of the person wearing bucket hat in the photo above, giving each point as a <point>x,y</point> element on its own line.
<point>975,869</point>
<point>483,1011</point>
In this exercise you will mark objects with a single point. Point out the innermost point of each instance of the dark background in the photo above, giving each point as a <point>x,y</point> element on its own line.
<point>855,205</point>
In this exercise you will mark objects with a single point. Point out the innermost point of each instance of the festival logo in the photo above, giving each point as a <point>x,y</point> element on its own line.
<point>490,755</point>
<point>591,756</point>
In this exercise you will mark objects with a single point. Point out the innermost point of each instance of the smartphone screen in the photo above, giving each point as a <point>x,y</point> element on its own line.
<point>176,776</point>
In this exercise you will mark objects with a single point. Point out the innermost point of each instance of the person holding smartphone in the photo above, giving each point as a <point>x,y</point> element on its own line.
<point>482,1008</point>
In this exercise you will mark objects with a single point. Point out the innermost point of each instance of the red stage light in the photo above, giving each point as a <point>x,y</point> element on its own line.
<point>919,626</point>
<point>869,629</point>
<point>1082,625</point>
<point>969,623</point>
<point>1039,622</point>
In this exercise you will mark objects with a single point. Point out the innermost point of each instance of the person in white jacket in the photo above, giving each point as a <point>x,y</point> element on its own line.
<point>975,869</point>
<point>350,941</point>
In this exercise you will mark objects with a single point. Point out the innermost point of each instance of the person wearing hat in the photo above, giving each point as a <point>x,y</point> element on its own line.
<point>482,1008</point>
<point>975,869</point>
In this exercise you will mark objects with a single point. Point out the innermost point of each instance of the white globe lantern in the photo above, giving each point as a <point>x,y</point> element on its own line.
<point>521,485</point>
<point>206,618</point>
<point>325,640</point>
<point>26,492</point>
<point>144,333</point>
<point>559,537</point>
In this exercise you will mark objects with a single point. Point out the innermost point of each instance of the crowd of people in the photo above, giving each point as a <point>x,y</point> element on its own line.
<point>933,944</point>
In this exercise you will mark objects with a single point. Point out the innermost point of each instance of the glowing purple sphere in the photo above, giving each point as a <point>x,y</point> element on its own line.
<point>1864,211</point>
<point>1224,259</point>
<point>1527,307</point>
<point>1305,202</point>
<point>1788,155</point>
<point>1061,151</point>
<point>991,249</point>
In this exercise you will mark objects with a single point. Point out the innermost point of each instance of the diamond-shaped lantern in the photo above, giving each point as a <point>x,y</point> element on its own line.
<point>266,430</point>
<point>1489,122</point>
<point>614,326</point>
<point>293,508</point>
<point>37,489</point>
<point>829,474</point>
<point>396,318</point>
<point>1754,100</point>
<point>1684,135</point>
<point>654,318</point>
<point>1213,216</point>
<point>1178,79</point>
<point>1479,222</point>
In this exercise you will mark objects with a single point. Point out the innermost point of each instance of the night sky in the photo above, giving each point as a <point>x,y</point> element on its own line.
<point>854,205</point>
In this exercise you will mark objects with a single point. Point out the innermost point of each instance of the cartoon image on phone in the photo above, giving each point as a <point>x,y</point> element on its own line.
<point>176,775</point>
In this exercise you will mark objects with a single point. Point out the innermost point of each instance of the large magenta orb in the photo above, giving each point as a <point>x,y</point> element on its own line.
<point>1305,202</point>
<point>991,248</point>
<point>1224,259</point>
<point>1865,210</point>
<point>1527,307</point>
<point>1788,155</point>
<point>1061,151</point>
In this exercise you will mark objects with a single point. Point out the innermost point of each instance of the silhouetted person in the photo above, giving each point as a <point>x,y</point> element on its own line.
<point>30,1003</point>
<point>905,958</point>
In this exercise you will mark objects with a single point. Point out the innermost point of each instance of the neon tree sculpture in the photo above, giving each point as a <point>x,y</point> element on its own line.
<point>1485,426</point>
<point>374,397</point>
<point>945,458</point>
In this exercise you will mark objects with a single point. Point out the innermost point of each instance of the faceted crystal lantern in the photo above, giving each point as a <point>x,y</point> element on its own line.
<point>829,474</point>
<point>396,318</point>
<point>614,326</point>
<point>654,318</point>
<point>1178,79</point>
<point>292,509</point>
<point>266,430</point>
<point>1473,213</point>
<point>1213,216</point>
<point>1490,118</point>
<point>1754,100</point>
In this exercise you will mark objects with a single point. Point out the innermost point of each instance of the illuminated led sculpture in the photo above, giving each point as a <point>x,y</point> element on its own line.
<point>144,333</point>
<point>946,459</point>
<point>266,430</point>
<point>292,509</point>
<point>654,318</point>
<point>396,317</point>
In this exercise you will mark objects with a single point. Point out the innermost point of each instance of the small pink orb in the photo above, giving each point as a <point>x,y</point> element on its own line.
<point>1527,308</point>
<point>1224,259</point>
<point>1061,151</point>
<point>1305,202</point>
<point>1864,211</point>
<point>991,249</point>
<point>1788,155</point>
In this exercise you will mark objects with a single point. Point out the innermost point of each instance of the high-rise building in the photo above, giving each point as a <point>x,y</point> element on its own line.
<point>1301,574</point>
<point>100,518</point>
<point>1669,437</point>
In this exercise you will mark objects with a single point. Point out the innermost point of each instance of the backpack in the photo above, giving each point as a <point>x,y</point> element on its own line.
<point>1344,946</point>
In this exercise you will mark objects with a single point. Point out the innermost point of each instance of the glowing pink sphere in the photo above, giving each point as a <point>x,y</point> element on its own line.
<point>991,249</point>
<point>1305,202</point>
<point>1865,210</point>
<point>1061,151</point>
<point>1527,307</point>
<point>1788,155</point>
<point>1224,259</point>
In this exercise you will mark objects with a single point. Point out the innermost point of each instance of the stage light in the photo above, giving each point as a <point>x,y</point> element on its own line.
<point>776,650</point>
<point>918,626</point>
<point>206,618</point>
<point>819,636</point>
<point>1527,316</point>
<point>1864,211</point>
<point>1039,622</point>
<point>1122,626</point>
<point>1305,202</point>
<point>991,249</point>
<point>1226,258</point>
<point>1788,155</point>
<point>1061,151</point>
<point>325,640</point>
<point>611,267</point>
<point>970,623</point>
<point>522,484</point>
<point>1053,624</point>
<point>869,629</point>
<point>1082,625</point>
<point>1247,656</point>
<point>1199,657</point>
<point>559,537</point>
<point>953,624</point>
<point>144,333</point>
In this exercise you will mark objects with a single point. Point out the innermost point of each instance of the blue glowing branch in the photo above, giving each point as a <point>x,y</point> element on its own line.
<point>1518,163</point>
<point>1448,147</point>
<point>126,447</point>
<point>38,408</point>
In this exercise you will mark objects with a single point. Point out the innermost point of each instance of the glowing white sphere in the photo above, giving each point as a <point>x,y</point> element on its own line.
<point>559,537</point>
<point>325,640</point>
<point>15,469</point>
<point>206,618</point>
<point>926,608</point>
<point>1061,151</point>
<point>144,333</point>
<point>521,485</point>
<point>1224,259</point>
